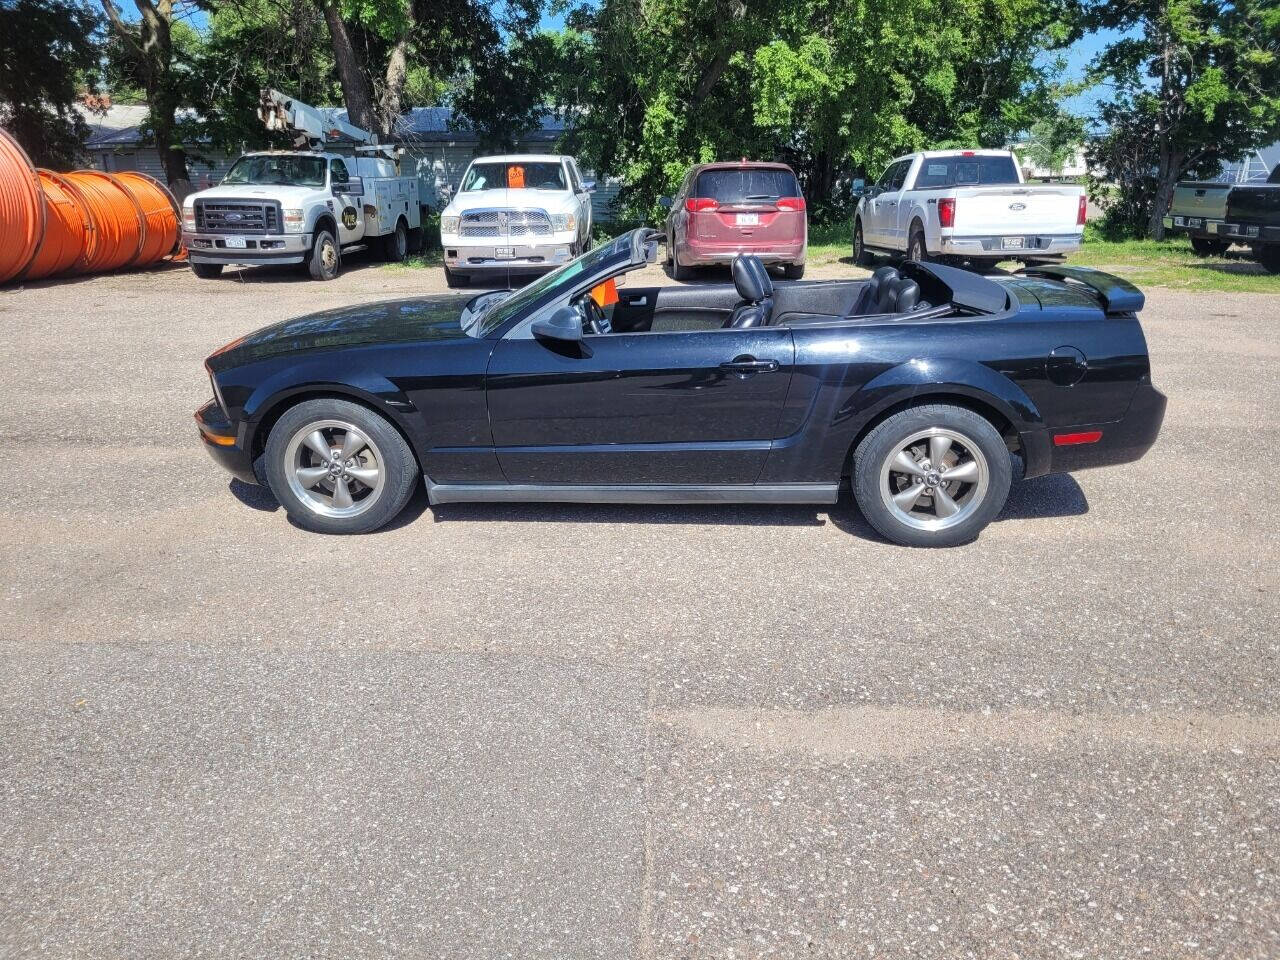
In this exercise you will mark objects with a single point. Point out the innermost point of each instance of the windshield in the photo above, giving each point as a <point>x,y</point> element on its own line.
<point>285,170</point>
<point>537,175</point>
<point>966,171</point>
<point>499,313</point>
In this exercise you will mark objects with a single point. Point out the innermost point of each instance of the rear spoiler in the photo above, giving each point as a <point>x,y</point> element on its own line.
<point>1118,296</point>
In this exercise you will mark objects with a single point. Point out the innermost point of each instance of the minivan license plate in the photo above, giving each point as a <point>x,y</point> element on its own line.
<point>748,219</point>
<point>1012,243</point>
<point>505,253</point>
<point>235,243</point>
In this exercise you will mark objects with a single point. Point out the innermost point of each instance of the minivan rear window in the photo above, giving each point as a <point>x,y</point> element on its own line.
<point>965,171</point>
<point>746,183</point>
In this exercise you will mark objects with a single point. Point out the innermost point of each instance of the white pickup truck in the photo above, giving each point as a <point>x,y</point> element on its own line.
<point>288,206</point>
<point>967,204</point>
<point>517,213</point>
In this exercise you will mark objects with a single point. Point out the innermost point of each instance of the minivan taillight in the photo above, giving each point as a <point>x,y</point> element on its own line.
<point>694,204</point>
<point>947,212</point>
<point>1082,211</point>
<point>790,203</point>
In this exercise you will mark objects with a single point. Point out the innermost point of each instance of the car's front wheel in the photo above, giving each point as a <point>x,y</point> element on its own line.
<point>932,476</point>
<point>338,467</point>
<point>453,279</point>
<point>861,256</point>
<point>325,261</point>
<point>206,271</point>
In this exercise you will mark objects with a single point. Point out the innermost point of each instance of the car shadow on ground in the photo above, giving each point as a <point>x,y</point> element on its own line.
<point>292,272</point>
<point>1058,495</point>
<point>65,279</point>
<point>1237,264</point>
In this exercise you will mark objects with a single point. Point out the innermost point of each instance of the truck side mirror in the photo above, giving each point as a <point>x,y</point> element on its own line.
<point>589,186</point>
<point>664,203</point>
<point>859,187</point>
<point>354,186</point>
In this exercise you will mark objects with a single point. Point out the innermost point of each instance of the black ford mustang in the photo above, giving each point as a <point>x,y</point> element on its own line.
<point>917,385</point>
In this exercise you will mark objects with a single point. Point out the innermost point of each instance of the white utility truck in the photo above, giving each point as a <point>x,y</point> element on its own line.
<point>517,213</point>
<point>966,204</point>
<point>307,205</point>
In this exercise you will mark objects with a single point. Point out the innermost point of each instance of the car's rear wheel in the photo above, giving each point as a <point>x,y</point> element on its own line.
<point>916,249</point>
<point>793,271</point>
<point>206,271</point>
<point>678,271</point>
<point>395,245</point>
<point>932,476</point>
<point>861,256</point>
<point>338,467</point>
<point>1204,247</point>
<point>454,279</point>
<point>1269,256</point>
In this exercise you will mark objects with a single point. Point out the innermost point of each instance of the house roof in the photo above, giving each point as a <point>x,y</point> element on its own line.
<point>120,126</point>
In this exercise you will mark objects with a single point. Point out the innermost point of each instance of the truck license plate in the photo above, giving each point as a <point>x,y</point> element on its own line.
<point>748,219</point>
<point>235,243</point>
<point>1011,243</point>
<point>1193,223</point>
<point>504,253</point>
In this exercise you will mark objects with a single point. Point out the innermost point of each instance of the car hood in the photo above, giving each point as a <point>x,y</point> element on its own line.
<point>241,190</point>
<point>390,321</point>
<point>549,200</point>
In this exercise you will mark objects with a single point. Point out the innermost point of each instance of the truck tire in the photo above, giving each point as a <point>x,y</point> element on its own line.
<point>1269,257</point>
<point>1204,247</point>
<point>417,239</point>
<point>916,249</point>
<point>325,260</point>
<point>206,271</point>
<point>454,279</point>
<point>861,256</point>
<point>395,245</point>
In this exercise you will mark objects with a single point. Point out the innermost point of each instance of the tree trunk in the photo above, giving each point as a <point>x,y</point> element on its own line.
<point>355,85</point>
<point>397,75</point>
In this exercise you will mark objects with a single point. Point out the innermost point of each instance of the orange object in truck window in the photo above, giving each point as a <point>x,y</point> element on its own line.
<point>515,177</point>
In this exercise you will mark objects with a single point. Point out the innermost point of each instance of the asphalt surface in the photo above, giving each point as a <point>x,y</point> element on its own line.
<point>653,732</point>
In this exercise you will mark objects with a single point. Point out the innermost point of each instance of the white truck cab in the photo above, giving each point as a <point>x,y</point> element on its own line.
<point>516,213</point>
<point>967,204</point>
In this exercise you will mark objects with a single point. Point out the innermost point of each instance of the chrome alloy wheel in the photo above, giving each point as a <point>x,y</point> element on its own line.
<point>334,469</point>
<point>935,479</point>
<point>329,255</point>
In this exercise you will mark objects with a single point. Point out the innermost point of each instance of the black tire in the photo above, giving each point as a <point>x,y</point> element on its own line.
<point>680,272</point>
<point>1269,256</point>
<point>395,245</point>
<point>916,248</point>
<point>206,271</point>
<point>417,240</point>
<point>861,256</point>
<point>385,445</point>
<point>1204,247</point>
<point>793,271</point>
<point>923,524</point>
<point>454,280</point>
<point>325,260</point>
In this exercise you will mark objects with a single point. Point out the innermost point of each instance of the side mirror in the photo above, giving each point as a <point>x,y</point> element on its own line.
<point>354,187</point>
<point>664,203</point>
<point>589,186</point>
<point>859,187</point>
<point>563,326</point>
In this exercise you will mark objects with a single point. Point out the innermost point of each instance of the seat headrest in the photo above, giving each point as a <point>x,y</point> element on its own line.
<point>906,295</point>
<point>882,276</point>
<point>750,278</point>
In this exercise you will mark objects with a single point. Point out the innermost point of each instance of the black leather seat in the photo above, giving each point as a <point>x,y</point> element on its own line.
<point>876,294</point>
<point>755,287</point>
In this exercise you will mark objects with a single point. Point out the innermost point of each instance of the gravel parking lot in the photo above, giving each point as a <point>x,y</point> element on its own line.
<point>655,732</point>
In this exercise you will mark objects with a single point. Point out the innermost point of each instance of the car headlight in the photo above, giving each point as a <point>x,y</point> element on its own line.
<point>449,224</point>
<point>294,219</point>
<point>188,218</point>
<point>563,221</point>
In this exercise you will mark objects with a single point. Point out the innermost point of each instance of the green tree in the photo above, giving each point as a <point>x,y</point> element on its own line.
<point>831,87</point>
<point>1196,82</point>
<point>48,51</point>
<point>1053,142</point>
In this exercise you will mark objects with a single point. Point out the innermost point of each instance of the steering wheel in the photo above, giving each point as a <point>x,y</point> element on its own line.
<point>594,319</point>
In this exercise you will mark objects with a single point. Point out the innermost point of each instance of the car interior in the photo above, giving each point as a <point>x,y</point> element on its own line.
<point>753,300</point>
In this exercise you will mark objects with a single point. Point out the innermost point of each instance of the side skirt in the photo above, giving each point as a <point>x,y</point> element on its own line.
<point>633,493</point>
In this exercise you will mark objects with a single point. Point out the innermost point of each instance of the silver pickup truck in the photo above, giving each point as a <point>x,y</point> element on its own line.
<point>1198,209</point>
<point>1216,215</point>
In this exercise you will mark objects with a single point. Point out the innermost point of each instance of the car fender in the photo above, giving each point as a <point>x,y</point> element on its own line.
<point>923,376</point>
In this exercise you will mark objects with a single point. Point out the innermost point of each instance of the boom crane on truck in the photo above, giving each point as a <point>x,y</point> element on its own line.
<point>306,205</point>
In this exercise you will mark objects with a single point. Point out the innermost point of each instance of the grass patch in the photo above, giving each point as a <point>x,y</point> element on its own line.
<point>428,258</point>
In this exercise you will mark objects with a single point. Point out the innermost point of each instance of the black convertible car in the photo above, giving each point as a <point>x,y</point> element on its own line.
<point>917,385</point>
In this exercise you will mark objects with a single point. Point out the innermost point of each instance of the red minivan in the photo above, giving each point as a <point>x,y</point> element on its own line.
<point>724,209</point>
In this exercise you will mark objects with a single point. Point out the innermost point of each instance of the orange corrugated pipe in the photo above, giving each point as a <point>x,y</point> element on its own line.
<point>21,208</point>
<point>66,228</point>
<point>118,224</point>
<point>159,211</point>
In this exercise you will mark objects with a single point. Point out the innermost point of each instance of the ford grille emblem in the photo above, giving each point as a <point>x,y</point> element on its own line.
<point>1017,206</point>
<point>235,216</point>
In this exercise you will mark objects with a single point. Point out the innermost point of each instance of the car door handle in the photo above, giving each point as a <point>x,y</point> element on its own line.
<point>635,301</point>
<point>749,365</point>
